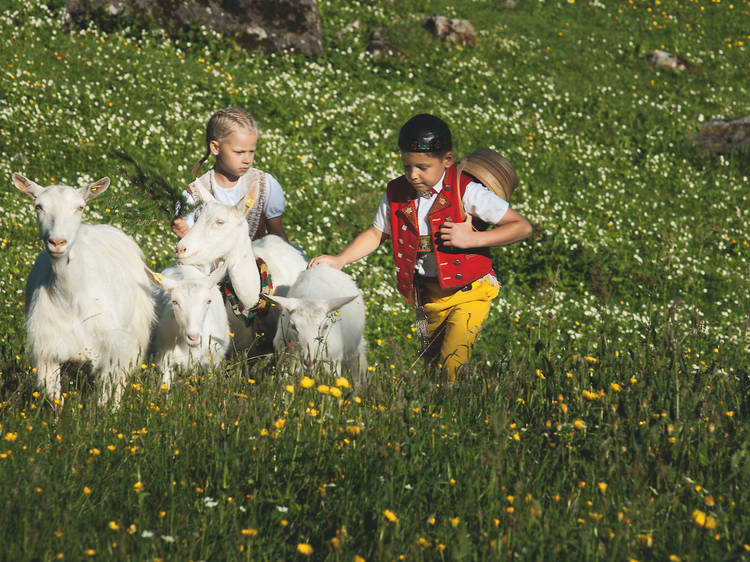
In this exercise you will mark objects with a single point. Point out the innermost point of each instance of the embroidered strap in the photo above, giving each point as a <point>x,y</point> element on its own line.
<point>422,325</point>
<point>266,288</point>
<point>425,244</point>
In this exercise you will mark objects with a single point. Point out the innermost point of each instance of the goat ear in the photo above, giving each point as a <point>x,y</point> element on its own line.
<point>30,188</point>
<point>159,280</point>
<point>218,273</point>
<point>335,304</point>
<point>247,202</point>
<point>94,189</point>
<point>286,303</point>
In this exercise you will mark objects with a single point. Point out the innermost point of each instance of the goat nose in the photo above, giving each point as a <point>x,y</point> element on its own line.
<point>58,242</point>
<point>180,250</point>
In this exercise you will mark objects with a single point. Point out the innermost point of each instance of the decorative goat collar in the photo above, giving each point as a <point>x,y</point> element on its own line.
<point>247,315</point>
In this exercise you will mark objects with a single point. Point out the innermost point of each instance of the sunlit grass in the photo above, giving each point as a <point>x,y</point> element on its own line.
<point>605,413</point>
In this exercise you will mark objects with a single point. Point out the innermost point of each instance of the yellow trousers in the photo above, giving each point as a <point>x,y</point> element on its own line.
<point>455,318</point>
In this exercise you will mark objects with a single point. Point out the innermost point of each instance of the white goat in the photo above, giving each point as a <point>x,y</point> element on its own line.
<point>221,233</point>
<point>318,324</point>
<point>87,295</point>
<point>192,327</point>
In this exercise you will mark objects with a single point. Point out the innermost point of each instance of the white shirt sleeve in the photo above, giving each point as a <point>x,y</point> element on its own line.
<point>275,202</point>
<point>480,202</point>
<point>189,218</point>
<point>382,220</point>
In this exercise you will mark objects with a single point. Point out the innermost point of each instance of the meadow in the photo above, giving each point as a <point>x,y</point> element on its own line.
<point>604,415</point>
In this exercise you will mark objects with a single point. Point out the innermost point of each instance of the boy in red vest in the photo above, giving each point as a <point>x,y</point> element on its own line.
<point>442,262</point>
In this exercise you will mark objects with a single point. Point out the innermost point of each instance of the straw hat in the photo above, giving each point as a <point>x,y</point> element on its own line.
<point>492,169</point>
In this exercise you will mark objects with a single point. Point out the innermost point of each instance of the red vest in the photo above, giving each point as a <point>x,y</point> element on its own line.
<point>455,267</point>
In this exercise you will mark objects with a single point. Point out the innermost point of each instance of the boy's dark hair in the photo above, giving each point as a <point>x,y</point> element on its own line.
<point>426,133</point>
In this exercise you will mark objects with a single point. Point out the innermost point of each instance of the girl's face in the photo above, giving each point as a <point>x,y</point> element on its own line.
<point>234,153</point>
<point>424,171</point>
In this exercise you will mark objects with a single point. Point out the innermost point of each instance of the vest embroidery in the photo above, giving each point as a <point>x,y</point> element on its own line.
<point>455,267</point>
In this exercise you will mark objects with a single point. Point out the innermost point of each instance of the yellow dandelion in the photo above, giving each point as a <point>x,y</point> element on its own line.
<point>578,424</point>
<point>324,389</point>
<point>249,532</point>
<point>304,549</point>
<point>335,542</point>
<point>138,487</point>
<point>615,387</point>
<point>602,487</point>
<point>306,382</point>
<point>390,516</point>
<point>645,539</point>
<point>114,526</point>
<point>455,521</point>
<point>699,517</point>
<point>334,391</point>
<point>90,552</point>
<point>590,359</point>
<point>86,490</point>
<point>289,388</point>
<point>342,382</point>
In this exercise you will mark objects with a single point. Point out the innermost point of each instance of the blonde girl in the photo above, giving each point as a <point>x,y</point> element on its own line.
<point>232,137</point>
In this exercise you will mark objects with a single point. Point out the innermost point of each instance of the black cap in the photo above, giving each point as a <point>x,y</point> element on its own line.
<point>425,133</point>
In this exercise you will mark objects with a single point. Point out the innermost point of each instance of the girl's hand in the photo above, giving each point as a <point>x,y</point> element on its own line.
<point>458,234</point>
<point>179,227</point>
<point>333,261</point>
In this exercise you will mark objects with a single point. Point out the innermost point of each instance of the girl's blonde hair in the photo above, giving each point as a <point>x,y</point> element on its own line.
<point>222,124</point>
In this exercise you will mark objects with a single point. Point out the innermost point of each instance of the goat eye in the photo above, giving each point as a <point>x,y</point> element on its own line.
<point>219,222</point>
<point>175,303</point>
<point>79,209</point>
<point>38,208</point>
<point>208,301</point>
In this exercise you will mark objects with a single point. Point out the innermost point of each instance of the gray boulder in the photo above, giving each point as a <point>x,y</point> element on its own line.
<point>722,136</point>
<point>452,30</point>
<point>270,25</point>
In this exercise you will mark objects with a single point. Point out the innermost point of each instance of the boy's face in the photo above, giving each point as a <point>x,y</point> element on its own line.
<point>423,170</point>
<point>235,153</point>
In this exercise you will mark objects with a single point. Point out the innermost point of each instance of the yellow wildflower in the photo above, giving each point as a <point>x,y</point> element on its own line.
<point>342,383</point>
<point>390,516</point>
<point>304,549</point>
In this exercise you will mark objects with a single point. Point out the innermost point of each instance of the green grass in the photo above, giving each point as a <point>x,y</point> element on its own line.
<point>606,405</point>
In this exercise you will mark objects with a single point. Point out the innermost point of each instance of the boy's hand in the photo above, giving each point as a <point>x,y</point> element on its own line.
<point>458,234</point>
<point>179,227</point>
<point>333,261</point>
